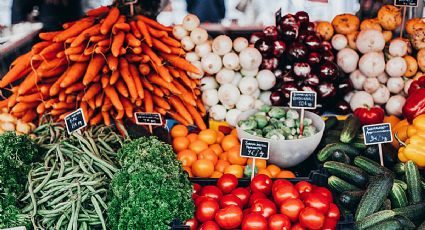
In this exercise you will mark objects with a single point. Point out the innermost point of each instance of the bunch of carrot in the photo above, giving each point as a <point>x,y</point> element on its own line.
<point>111,66</point>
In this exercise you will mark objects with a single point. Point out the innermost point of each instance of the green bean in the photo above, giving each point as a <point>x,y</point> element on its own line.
<point>99,211</point>
<point>39,187</point>
<point>77,209</point>
<point>71,221</point>
<point>59,198</point>
<point>83,226</point>
<point>34,208</point>
<point>62,160</point>
<point>93,145</point>
<point>55,211</point>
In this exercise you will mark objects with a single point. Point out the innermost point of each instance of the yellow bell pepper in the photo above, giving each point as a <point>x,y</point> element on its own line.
<point>401,155</point>
<point>416,153</point>
<point>414,138</point>
<point>419,122</point>
<point>417,140</point>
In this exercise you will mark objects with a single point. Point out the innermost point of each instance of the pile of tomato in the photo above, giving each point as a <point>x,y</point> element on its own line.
<point>265,204</point>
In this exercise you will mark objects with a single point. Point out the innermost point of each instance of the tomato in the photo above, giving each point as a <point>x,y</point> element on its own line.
<point>317,201</point>
<point>297,226</point>
<point>229,217</point>
<point>209,225</point>
<point>324,192</point>
<point>311,218</point>
<point>265,207</point>
<point>227,183</point>
<point>192,223</point>
<point>243,194</point>
<point>246,211</point>
<point>285,192</point>
<point>291,208</point>
<point>279,222</point>
<point>254,221</point>
<point>196,188</point>
<point>212,192</point>
<point>200,199</point>
<point>330,224</point>
<point>230,199</point>
<point>278,183</point>
<point>303,186</point>
<point>206,210</point>
<point>333,212</point>
<point>256,196</point>
<point>261,183</point>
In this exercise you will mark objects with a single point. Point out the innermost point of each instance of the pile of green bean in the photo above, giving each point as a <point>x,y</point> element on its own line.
<point>69,190</point>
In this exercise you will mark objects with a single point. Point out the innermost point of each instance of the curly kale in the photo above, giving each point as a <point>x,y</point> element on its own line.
<point>151,190</point>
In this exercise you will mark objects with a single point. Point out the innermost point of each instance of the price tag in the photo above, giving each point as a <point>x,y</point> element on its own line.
<point>303,100</point>
<point>254,149</point>
<point>377,134</point>
<point>408,3</point>
<point>148,118</point>
<point>75,121</point>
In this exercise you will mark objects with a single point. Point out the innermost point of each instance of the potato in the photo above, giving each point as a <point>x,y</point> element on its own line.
<point>421,59</point>
<point>325,30</point>
<point>418,39</point>
<point>6,117</point>
<point>412,66</point>
<point>414,24</point>
<point>7,126</point>
<point>371,23</point>
<point>32,126</point>
<point>352,37</point>
<point>22,127</point>
<point>345,23</point>
<point>390,17</point>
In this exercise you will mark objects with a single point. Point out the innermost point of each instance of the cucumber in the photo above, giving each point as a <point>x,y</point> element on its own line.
<point>331,122</point>
<point>330,140</point>
<point>350,199</point>
<point>370,166</point>
<point>351,174</point>
<point>359,144</point>
<point>327,151</point>
<point>349,131</point>
<point>340,156</point>
<point>398,196</point>
<point>374,219</point>
<point>405,222</point>
<point>400,168</point>
<point>375,195</point>
<point>386,205</point>
<point>391,224</point>
<point>414,212</point>
<point>339,185</point>
<point>413,179</point>
<point>423,185</point>
<point>401,183</point>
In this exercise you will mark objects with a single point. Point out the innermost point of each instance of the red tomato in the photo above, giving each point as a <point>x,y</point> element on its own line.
<point>246,211</point>
<point>311,218</point>
<point>192,223</point>
<point>278,183</point>
<point>279,222</point>
<point>200,199</point>
<point>243,194</point>
<point>317,201</point>
<point>256,196</point>
<point>329,224</point>
<point>291,208</point>
<point>206,210</point>
<point>261,183</point>
<point>265,207</point>
<point>212,192</point>
<point>196,188</point>
<point>303,186</point>
<point>194,196</point>
<point>297,226</point>
<point>227,183</point>
<point>324,191</point>
<point>230,199</point>
<point>209,225</point>
<point>254,221</point>
<point>229,217</point>
<point>285,192</point>
<point>333,212</point>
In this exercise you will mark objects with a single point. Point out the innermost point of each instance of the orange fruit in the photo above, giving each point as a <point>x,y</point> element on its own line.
<point>234,132</point>
<point>234,157</point>
<point>209,136</point>
<point>265,172</point>
<point>285,174</point>
<point>229,142</point>
<point>189,171</point>
<point>220,137</point>
<point>236,170</point>
<point>179,131</point>
<point>221,165</point>
<point>209,155</point>
<point>203,168</point>
<point>260,163</point>
<point>198,146</point>
<point>192,137</point>
<point>273,169</point>
<point>187,157</point>
<point>216,174</point>
<point>216,148</point>
<point>180,143</point>
<point>224,156</point>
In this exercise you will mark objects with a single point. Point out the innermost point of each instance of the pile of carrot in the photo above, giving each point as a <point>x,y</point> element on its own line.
<point>108,64</point>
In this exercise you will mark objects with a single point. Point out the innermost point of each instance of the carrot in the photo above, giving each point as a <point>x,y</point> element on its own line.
<point>90,112</point>
<point>53,64</point>
<point>110,20</point>
<point>175,73</point>
<point>86,34</point>
<point>12,100</point>
<point>70,40</point>
<point>128,107</point>
<point>132,40</point>
<point>186,96</point>
<point>157,33</point>
<point>79,57</point>
<point>114,77</point>
<point>117,43</point>
<point>138,102</point>
<point>197,117</point>
<point>63,105</point>
<point>29,116</point>
<point>85,108</point>
<point>160,46</point>
<point>48,36</point>
<point>160,111</point>
<point>104,80</point>
<point>63,115</point>
<point>181,63</point>
<point>136,77</point>
<point>112,62</point>
<point>44,89</point>
<point>144,31</point>
<point>52,72</point>
<point>159,101</point>
<point>23,107</point>
<point>91,104</point>
<point>3,103</point>
<point>113,96</point>
<point>29,82</point>
<point>137,50</point>
<point>178,118</point>
<point>105,69</point>
<point>106,118</point>
<point>177,51</point>
<point>144,69</point>
<point>135,30</point>
<point>105,42</point>
<point>75,73</point>
<point>128,79</point>
<point>97,11</point>
<point>147,84</point>
<point>171,42</point>
<point>57,112</point>
<point>41,108</point>
<point>107,105</point>
<point>122,26</point>
<point>70,98</point>
<point>155,79</point>
<point>61,54</point>
<point>180,108</point>
<point>97,38</point>
<point>93,68</point>
<point>74,30</point>
<point>50,103</point>
<point>62,96</point>
<point>122,89</point>
<point>92,91</point>
<point>66,25</point>
<point>133,58</point>
<point>38,47</point>
<point>15,73</point>
<point>152,55</point>
<point>75,88</point>
<point>148,102</point>
<point>30,98</point>
<point>157,91</point>
<point>90,50</point>
<point>153,23</point>
<point>96,119</point>
<point>99,100</point>
<point>145,59</point>
<point>163,72</point>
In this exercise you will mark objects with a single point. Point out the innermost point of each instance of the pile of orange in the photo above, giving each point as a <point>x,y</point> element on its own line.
<point>210,154</point>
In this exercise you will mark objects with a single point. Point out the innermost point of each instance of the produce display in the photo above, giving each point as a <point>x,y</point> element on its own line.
<point>10,123</point>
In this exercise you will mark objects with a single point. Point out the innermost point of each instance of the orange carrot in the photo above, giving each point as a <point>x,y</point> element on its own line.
<point>53,64</point>
<point>99,100</point>
<point>104,80</point>
<point>38,47</point>
<point>105,42</point>
<point>120,114</point>
<point>48,36</point>
<point>148,102</point>
<point>12,100</point>
<point>14,73</point>
<point>133,58</point>
<point>61,54</point>
<point>163,72</point>
<point>155,79</point>
<point>114,77</point>
<point>107,105</point>
<point>62,96</point>
<point>57,112</point>
<point>160,111</point>
<point>171,42</point>
<point>185,95</point>
<point>178,118</point>
<point>132,40</point>
<point>63,105</point>
<point>117,43</point>
<point>185,79</point>
<point>75,73</point>
<point>41,108</point>
<point>157,44</point>
<point>197,117</point>
<point>44,89</point>
<point>122,26</point>
<point>144,69</point>
<point>157,91</point>
<point>113,96</point>
<point>29,116</point>
<point>85,108</point>
<point>128,79</point>
<point>154,23</point>
<point>110,20</point>
<point>180,108</point>
<point>97,38</point>
<point>137,50</point>
<point>112,62</point>
<point>157,33</point>
<point>152,55</point>
<point>23,107</point>
<point>181,63</point>
<point>30,98</point>
<point>70,98</point>
<point>96,119</point>
<point>201,107</point>
<point>144,31</point>
<point>29,82</point>
<point>91,104</point>
<point>86,34</point>
<point>105,69</point>
<point>74,30</point>
<point>92,91</point>
<point>175,73</point>
<point>137,81</point>
<point>159,101</point>
<point>90,112</point>
<point>79,58</point>
<point>50,103</point>
<point>3,103</point>
<point>122,89</point>
<point>51,72</point>
<point>97,11</point>
<point>145,59</point>
<point>63,115</point>
<point>75,88</point>
<point>147,84</point>
<point>106,118</point>
<point>135,30</point>
<point>93,68</point>
<point>177,51</point>
<point>90,50</point>
<point>128,107</point>
<point>70,40</point>
<point>66,25</point>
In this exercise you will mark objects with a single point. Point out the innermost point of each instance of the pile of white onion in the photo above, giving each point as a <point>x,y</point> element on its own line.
<point>12,124</point>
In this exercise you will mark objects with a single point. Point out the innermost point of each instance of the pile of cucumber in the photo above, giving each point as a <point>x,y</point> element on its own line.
<point>391,197</point>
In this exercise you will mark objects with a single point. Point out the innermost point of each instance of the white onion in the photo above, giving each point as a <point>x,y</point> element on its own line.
<point>396,67</point>
<point>347,59</point>
<point>228,94</point>
<point>395,104</point>
<point>395,85</point>
<point>361,99</point>
<point>258,104</point>
<point>192,56</point>
<point>381,95</point>
<point>240,43</point>
<point>249,73</point>
<point>339,41</point>
<point>250,58</point>
<point>237,78</point>
<point>248,85</point>
<point>371,85</point>
<point>370,40</point>
<point>218,112</point>
<point>265,97</point>
<point>208,83</point>
<point>179,32</point>
<point>210,97</point>
<point>199,35</point>
<point>246,102</point>
<point>266,79</point>
<point>211,63</point>
<point>187,43</point>
<point>383,78</point>
<point>225,76</point>
<point>203,49</point>
<point>190,22</point>
<point>231,61</point>
<point>372,64</point>
<point>198,65</point>
<point>256,93</point>
<point>397,48</point>
<point>348,96</point>
<point>222,45</point>
<point>232,116</point>
<point>358,79</point>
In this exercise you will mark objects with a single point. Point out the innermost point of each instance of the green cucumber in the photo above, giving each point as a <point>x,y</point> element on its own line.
<point>401,183</point>
<point>386,205</point>
<point>423,185</point>
<point>349,131</point>
<point>347,172</point>
<point>331,122</point>
<point>405,222</point>
<point>370,166</point>
<point>374,219</point>
<point>391,224</point>
<point>327,151</point>
<point>414,212</point>
<point>350,199</point>
<point>413,179</point>
<point>340,156</point>
<point>398,196</point>
<point>375,195</point>
<point>330,140</point>
<point>400,168</point>
<point>359,144</point>
<point>339,185</point>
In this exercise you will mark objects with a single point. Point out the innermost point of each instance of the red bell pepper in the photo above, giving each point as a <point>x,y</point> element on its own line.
<point>415,105</point>
<point>370,116</point>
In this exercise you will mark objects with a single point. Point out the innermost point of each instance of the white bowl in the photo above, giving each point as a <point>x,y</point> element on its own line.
<point>287,153</point>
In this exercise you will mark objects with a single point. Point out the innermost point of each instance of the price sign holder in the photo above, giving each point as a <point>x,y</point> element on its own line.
<point>378,134</point>
<point>303,100</point>
<point>405,4</point>
<point>75,121</point>
<point>254,149</point>
<point>131,4</point>
<point>148,119</point>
